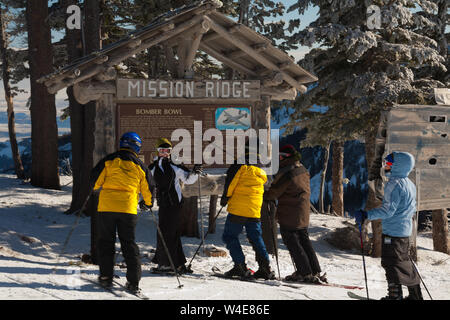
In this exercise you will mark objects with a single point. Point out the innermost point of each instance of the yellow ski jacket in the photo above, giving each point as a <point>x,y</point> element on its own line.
<point>244,187</point>
<point>121,177</point>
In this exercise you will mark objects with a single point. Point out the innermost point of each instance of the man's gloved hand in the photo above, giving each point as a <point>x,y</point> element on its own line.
<point>198,169</point>
<point>360,216</point>
<point>223,201</point>
<point>143,206</point>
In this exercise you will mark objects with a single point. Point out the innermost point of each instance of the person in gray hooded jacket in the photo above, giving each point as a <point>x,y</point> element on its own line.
<point>396,213</point>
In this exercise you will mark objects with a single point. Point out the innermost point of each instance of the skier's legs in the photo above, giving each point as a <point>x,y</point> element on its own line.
<point>305,242</point>
<point>298,254</point>
<point>254,234</point>
<point>106,223</point>
<point>169,225</point>
<point>130,250</point>
<point>230,237</point>
<point>395,261</point>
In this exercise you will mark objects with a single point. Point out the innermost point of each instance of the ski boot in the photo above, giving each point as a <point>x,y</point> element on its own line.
<point>322,278</point>
<point>293,277</point>
<point>239,270</point>
<point>310,278</point>
<point>106,282</point>
<point>132,287</point>
<point>297,277</point>
<point>414,293</point>
<point>184,270</point>
<point>264,271</point>
<point>394,292</point>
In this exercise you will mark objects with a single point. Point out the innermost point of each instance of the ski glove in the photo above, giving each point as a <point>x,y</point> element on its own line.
<point>198,169</point>
<point>360,216</point>
<point>223,201</point>
<point>143,206</point>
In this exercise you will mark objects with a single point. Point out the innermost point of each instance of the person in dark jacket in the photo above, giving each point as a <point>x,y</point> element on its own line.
<point>120,177</point>
<point>291,187</point>
<point>167,177</point>
<point>396,213</point>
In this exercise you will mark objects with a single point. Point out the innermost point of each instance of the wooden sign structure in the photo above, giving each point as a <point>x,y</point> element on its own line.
<point>266,73</point>
<point>156,108</point>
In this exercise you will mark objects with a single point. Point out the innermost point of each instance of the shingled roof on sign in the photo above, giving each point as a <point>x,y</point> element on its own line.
<point>233,44</point>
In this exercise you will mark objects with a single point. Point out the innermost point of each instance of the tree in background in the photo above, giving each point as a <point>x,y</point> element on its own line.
<point>9,94</point>
<point>364,69</point>
<point>44,131</point>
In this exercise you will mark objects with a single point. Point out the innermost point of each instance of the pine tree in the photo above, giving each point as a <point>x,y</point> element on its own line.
<point>364,70</point>
<point>9,93</point>
<point>44,131</point>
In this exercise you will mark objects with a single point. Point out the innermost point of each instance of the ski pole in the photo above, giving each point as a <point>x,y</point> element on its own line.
<point>166,249</point>
<point>200,206</point>
<point>274,246</point>
<point>417,270</point>
<point>66,242</point>
<point>201,243</point>
<point>364,261</point>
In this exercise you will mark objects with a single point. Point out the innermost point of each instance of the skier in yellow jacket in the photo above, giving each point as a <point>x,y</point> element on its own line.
<point>121,177</point>
<point>243,193</point>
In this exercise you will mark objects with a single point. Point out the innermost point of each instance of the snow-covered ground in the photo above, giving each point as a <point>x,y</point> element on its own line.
<point>33,229</point>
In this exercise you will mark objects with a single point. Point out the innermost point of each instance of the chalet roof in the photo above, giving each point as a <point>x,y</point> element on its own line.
<point>233,44</point>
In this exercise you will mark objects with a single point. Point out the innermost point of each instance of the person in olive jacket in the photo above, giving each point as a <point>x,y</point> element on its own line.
<point>291,187</point>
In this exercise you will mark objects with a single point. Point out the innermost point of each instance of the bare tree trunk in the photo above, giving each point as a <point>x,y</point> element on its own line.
<point>76,111</point>
<point>20,172</point>
<point>322,178</point>
<point>189,224</point>
<point>337,178</point>
<point>442,15</point>
<point>212,213</point>
<point>372,201</point>
<point>44,130</point>
<point>92,34</point>
<point>440,231</point>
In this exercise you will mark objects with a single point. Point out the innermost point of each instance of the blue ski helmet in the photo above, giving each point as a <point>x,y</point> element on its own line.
<point>131,140</point>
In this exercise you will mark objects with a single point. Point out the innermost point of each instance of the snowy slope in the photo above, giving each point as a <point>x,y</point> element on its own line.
<point>33,229</point>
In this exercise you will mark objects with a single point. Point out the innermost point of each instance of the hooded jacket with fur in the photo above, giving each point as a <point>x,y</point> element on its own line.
<point>399,201</point>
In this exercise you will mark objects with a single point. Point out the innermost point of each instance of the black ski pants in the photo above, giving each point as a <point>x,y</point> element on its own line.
<point>300,248</point>
<point>395,261</point>
<point>125,225</point>
<point>169,224</point>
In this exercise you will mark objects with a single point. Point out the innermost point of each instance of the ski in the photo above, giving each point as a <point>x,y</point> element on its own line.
<point>138,294</point>
<point>189,272</point>
<point>295,285</point>
<point>111,290</point>
<point>326,284</point>
<point>357,296</point>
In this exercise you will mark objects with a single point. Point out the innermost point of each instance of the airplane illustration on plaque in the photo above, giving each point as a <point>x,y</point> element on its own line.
<point>233,118</point>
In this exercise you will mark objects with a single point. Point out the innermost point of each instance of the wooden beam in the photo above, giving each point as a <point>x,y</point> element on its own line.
<point>115,57</point>
<point>189,59</point>
<point>221,57</point>
<point>273,80</point>
<point>211,184</point>
<point>108,74</point>
<point>85,92</point>
<point>285,65</point>
<point>171,60</point>
<point>236,54</point>
<point>279,94</point>
<point>182,48</point>
<point>215,36</point>
<point>253,53</point>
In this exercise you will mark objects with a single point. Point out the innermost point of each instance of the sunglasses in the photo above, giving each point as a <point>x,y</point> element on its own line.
<point>164,150</point>
<point>284,155</point>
